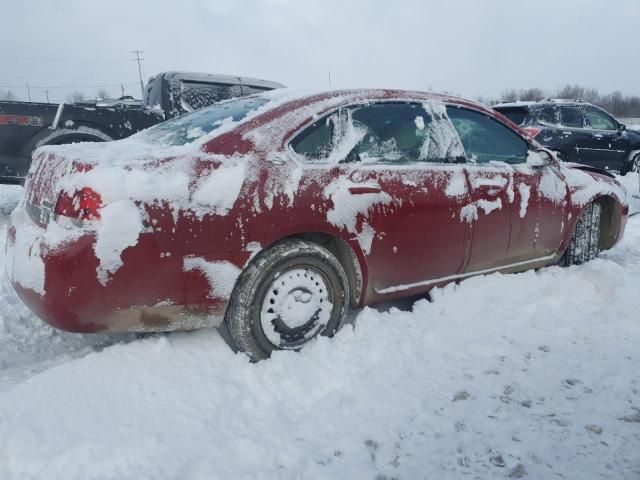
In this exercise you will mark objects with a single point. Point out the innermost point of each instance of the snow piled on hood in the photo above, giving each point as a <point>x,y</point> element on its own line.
<point>584,187</point>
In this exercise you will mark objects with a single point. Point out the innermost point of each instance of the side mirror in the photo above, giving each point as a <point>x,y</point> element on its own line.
<point>621,127</point>
<point>540,158</point>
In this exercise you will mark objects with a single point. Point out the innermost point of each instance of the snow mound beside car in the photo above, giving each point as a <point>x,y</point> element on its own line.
<point>501,375</point>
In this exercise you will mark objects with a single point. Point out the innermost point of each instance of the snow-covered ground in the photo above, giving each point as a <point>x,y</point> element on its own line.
<point>535,375</point>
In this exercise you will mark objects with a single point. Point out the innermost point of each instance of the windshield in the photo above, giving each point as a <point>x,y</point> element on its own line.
<point>190,127</point>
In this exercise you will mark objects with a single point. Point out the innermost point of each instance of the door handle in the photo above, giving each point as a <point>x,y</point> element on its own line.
<point>488,189</point>
<point>365,189</point>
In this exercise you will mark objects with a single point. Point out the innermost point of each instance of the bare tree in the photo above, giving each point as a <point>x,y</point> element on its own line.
<point>531,94</point>
<point>103,94</point>
<point>75,97</point>
<point>622,106</point>
<point>8,96</point>
<point>509,96</point>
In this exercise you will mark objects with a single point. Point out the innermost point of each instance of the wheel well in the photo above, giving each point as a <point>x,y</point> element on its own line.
<point>64,136</point>
<point>345,255</point>
<point>609,222</point>
<point>78,137</point>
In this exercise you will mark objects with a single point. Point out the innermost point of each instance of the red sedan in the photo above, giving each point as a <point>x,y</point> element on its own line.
<point>277,213</point>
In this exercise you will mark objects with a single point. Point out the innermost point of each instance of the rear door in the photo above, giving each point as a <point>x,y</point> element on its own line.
<point>394,185</point>
<point>576,137</point>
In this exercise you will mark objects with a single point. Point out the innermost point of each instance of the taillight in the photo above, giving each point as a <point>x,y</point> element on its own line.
<point>532,132</point>
<point>83,205</point>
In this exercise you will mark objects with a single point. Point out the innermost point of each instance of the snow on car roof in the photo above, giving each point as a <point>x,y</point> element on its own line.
<point>146,146</point>
<point>517,103</point>
<point>527,103</point>
<point>220,78</point>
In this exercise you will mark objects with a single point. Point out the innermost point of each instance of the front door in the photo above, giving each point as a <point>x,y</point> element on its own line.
<point>502,219</point>
<point>605,146</point>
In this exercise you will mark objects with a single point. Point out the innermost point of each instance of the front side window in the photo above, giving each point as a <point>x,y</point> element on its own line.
<point>571,117</point>
<point>485,139</point>
<point>599,120</point>
<point>392,133</point>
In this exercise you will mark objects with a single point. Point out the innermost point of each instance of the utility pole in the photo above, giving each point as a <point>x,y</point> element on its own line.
<point>46,92</point>
<point>329,79</point>
<point>138,59</point>
<point>29,92</point>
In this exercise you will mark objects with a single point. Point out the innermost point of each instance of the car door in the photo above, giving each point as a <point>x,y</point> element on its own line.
<point>551,134</point>
<point>394,188</point>
<point>504,194</point>
<point>502,224</point>
<point>573,132</point>
<point>607,145</point>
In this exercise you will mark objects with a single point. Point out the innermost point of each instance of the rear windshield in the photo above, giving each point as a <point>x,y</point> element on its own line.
<point>190,127</point>
<point>516,114</point>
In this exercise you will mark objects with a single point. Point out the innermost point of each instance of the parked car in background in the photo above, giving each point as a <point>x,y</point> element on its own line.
<point>25,126</point>
<point>579,132</point>
<point>280,211</point>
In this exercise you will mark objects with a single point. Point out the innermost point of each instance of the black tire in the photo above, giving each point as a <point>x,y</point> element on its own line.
<point>294,273</point>
<point>632,165</point>
<point>585,241</point>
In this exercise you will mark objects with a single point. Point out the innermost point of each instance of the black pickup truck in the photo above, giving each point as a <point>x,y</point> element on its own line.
<point>25,126</point>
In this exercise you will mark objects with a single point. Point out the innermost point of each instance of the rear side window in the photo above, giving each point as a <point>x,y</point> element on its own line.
<point>196,95</point>
<point>516,114</point>
<point>315,141</point>
<point>405,133</point>
<point>547,116</point>
<point>392,133</point>
<point>251,89</point>
<point>571,117</point>
<point>599,120</point>
<point>485,139</point>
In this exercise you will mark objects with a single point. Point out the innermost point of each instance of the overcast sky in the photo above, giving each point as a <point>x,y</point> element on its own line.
<point>468,47</point>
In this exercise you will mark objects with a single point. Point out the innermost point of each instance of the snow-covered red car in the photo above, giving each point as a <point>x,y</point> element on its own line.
<point>276,213</point>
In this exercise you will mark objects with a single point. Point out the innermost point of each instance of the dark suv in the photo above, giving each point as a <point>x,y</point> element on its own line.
<point>579,131</point>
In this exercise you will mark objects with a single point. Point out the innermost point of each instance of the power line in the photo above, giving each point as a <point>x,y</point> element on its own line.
<point>70,86</point>
<point>138,59</point>
<point>70,60</point>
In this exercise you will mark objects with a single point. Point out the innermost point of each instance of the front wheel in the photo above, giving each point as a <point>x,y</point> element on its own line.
<point>585,242</point>
<point>287,296</point>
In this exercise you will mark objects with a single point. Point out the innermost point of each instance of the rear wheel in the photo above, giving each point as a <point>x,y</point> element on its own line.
<point>286,297</point>
<point>635,167</point>
<point>585,242</point>
<point>630,166</point>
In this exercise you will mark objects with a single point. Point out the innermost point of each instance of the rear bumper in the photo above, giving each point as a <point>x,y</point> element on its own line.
<point>59,283</point>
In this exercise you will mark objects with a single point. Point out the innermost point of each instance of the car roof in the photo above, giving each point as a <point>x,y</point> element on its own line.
<point>293,109</point>
<point>219,78</point>
<point>542,103</point>
<point>321,101</point>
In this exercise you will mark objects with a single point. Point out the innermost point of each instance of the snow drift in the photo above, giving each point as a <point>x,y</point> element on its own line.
<point>531,375</point>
